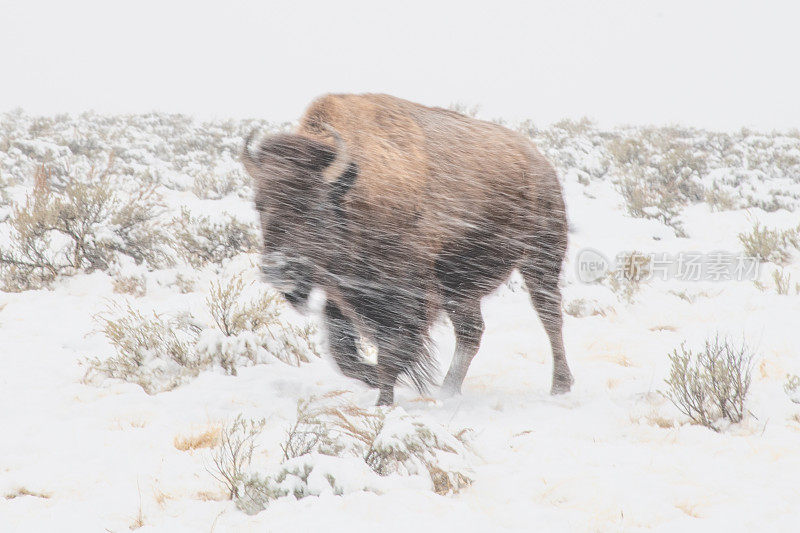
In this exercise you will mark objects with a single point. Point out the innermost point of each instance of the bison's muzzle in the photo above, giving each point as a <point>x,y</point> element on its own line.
<point>290,276</point>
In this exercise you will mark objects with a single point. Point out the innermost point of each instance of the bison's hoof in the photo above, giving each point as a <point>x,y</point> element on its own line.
<point>385,398</point>
<point>448,391</point>
<point>561,387</point>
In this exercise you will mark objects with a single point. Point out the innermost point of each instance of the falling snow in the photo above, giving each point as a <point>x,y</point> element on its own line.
<point>97,453</point>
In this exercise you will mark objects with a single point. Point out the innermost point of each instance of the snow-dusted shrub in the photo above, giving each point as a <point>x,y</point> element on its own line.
<point>253,323</point>
<point>711,384</point>
<point>792,387</point>
<point>217,185</point>
<point>313,474</point>
<point>465,109</point>
<point>406,445</point>
<point>775,200</point>
<point>185,284</point>
<point>770,245</point>
<point>133,285</point>
<point>719,199</point>
<point>576,128</point>
<point>335,447</point>
<point>201,239</point>
<point>627,152</point>
<point>390,441</point>
<point>572,147</point>
<point>306,433</point>
<point>657,173</point>
<point>154,352</point>
<point>4,184</point>
<point>83,225</point>
<point>160,353</point>
<point>782,283</point>
<point>583,307</point>
<point>644,200</point>
<point>233,454</point>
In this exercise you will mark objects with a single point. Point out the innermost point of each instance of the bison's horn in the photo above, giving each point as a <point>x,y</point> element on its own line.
<point>333,171</point>
<point>250,163</point>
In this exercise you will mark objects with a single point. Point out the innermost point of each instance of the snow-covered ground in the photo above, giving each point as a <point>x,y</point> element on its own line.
<point>81,454</point>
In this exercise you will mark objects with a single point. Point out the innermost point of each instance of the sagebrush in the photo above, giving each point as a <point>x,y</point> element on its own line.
<point>711,384</point>
<point>200,240</point>
<point>156,352</point>
<point>81,225</point>
<point>769,244</point>
<point>160,352</point>
<point>331,437</point>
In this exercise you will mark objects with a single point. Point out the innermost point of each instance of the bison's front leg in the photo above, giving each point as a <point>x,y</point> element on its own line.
<point>386,396</point>
<point>468,327</point>
<point>392,357</point>
<point>342,338</point>
<point>402,349</point>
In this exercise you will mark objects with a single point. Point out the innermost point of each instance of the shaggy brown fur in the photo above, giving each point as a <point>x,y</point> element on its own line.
<point>412,210</point>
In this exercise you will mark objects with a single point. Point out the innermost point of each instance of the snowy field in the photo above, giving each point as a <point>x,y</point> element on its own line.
<point>112,415</point>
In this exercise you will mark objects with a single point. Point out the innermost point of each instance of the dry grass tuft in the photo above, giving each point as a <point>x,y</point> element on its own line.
<point>655,419</point>
<point>133,285</point>
<point>22,491</point>
<point>207,438</point>
<point>208,496</point>
<point>689,509</point>
<point>138,521</point>
<point>664,327</point>
<point>161,497</point>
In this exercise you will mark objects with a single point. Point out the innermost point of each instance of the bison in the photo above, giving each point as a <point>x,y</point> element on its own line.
<point>398,212</point>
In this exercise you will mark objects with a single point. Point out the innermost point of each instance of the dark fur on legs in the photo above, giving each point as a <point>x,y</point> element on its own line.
<point>468,327</point>
<point>394,314</point>
<point>541,275</point>
<point>342,338</point>
<point>402,348</point>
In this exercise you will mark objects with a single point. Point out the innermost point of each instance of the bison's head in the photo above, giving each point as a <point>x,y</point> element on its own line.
<point>299,187</point>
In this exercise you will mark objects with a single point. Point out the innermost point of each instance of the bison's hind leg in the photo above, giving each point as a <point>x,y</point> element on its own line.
<point>541,275</point>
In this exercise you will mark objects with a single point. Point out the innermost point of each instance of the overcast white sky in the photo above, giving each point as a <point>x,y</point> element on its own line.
<point>713,64</point>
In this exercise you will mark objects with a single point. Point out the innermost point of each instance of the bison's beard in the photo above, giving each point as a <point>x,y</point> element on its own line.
<point>293,279</point>
<point>298,296</point>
